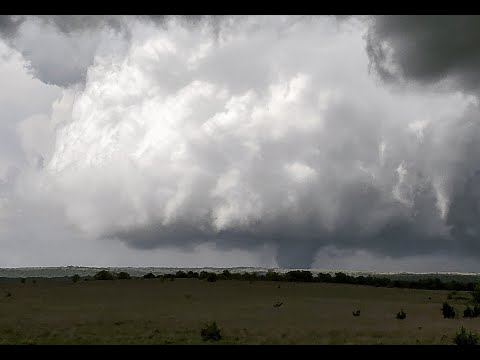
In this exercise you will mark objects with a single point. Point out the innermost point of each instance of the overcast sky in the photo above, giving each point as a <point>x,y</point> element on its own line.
<point>318,141</point>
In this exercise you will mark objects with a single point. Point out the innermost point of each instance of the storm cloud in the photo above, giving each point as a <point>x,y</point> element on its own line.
<point>431,49</point>
<point>257,134</point>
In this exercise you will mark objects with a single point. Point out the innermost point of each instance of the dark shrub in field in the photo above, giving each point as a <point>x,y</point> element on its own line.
<point>356,313</point>
<point>75,278</point>
<point>211,332</point>
<point>401,315</point>
<point>123,275</point>
<point>448,311</point>
<point>464,337</point>
<point>104,275</point>
<point>468,312</point>
<point>23,280</point>
<point>149,276</point>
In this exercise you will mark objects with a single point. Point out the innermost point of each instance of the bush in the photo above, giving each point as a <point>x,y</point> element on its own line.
<point>211,332</point>
<point>23,280</point>
<point>471,313</point>
<point>75,278</point>
<point>104,275</point>
<point>149,276</point>
<point>401,315</point>
<point>448,311</point>
<point>464,337</point>
<point>123,275</point>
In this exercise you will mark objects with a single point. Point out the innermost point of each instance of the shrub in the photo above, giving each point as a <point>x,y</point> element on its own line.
<point>211,332</point>
<point>75,278</point>
<point>401,315</point>
<point>464,337</point>
<point>104,275</point>
<point>23,280</point>
<point>448,311</point>
<point>468,312</point>
<point>471,313</point>
<point>123,275</point>
<point>149,276</point>
<point>356,313</point>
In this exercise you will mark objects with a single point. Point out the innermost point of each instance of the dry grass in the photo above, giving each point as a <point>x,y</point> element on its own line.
<point>156,312</point>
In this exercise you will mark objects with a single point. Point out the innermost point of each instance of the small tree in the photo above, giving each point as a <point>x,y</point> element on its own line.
<point>23,280</point>
<point>211,332</point>
<point>149,276</point>
<point>75,278</point>
<point>464,337</point>
<point>401,315</point>
<point>448,311</point>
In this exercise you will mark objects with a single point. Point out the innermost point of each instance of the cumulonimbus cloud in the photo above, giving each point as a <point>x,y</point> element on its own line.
<point>254,132</point>
<point>193,135</point>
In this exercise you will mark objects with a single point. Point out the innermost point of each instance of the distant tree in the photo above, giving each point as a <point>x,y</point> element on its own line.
<point>23,280</point>
<point>212,277</point>
<point>122,275</point>
<point>75,278</point>
<point>180,274</point>
<point>104,275</point>
<point>149,276</point>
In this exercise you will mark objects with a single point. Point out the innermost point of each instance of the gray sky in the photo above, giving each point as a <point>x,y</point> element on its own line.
<point>340,143</point>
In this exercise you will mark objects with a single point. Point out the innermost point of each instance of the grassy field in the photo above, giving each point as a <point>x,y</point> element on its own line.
<point>140,311</point>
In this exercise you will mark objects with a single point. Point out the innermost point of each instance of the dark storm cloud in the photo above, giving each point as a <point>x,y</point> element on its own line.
<point>9,24</point>
<point>427,49</point>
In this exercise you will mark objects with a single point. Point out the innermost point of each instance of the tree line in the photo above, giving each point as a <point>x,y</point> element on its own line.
<point>305,276</point>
